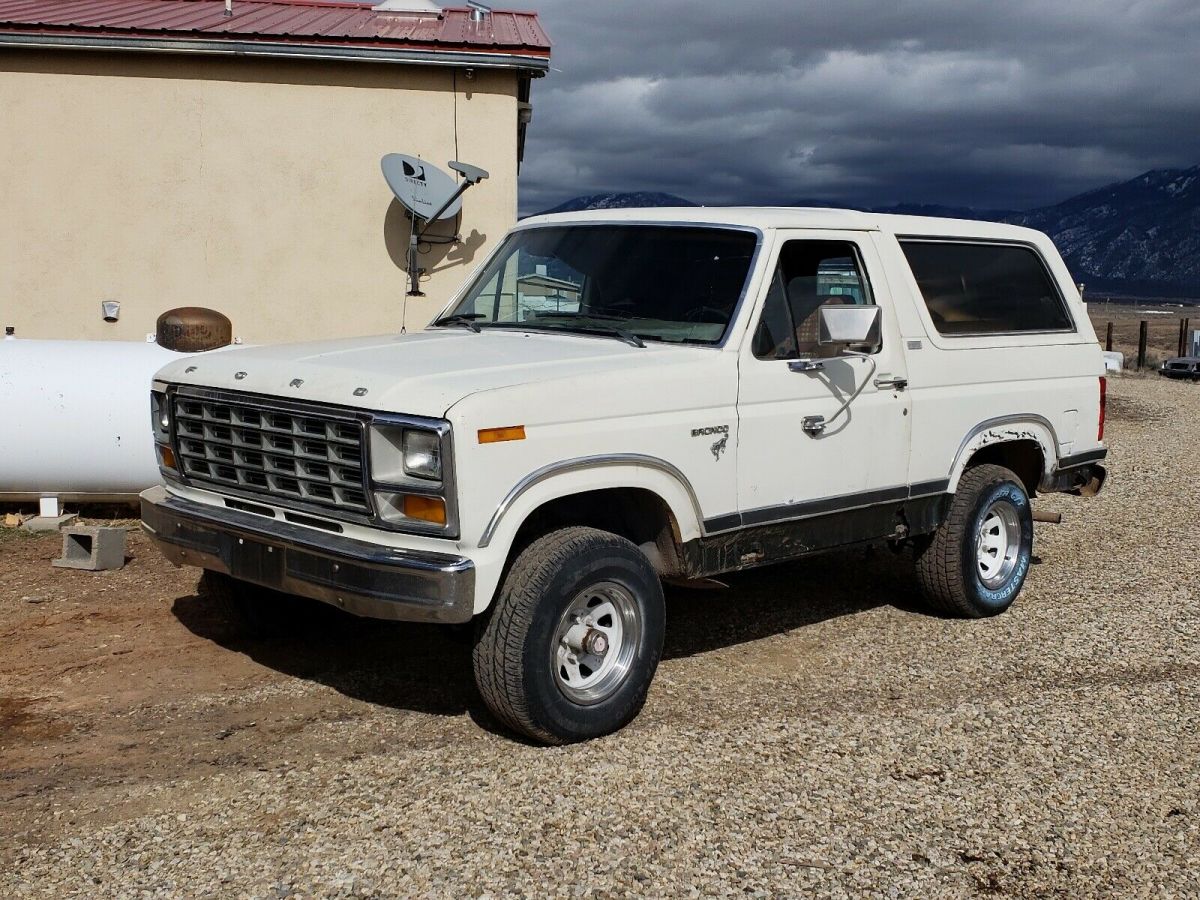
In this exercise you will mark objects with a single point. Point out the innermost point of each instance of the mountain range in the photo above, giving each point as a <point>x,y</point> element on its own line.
<point>631,200</point>
<point>1139,237</point>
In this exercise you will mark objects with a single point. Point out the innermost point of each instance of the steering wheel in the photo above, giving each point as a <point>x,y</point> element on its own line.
<point>699,313</point>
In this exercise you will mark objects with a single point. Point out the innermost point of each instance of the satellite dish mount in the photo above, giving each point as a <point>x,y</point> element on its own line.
<point>429,194</point>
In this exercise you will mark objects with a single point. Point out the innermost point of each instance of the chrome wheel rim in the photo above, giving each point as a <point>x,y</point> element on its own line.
<point>998,544</point>
<point>595,642</point>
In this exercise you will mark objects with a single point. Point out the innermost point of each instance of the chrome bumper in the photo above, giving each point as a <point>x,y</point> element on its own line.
<point>361,578</point>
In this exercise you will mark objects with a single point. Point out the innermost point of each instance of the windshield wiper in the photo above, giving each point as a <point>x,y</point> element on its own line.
<point>627,336</point>
<point>619,333</point>
<point>467,320</point>
<point>603,317</point>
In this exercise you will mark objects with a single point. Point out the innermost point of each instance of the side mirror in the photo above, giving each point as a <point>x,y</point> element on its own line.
<point>849,324</point>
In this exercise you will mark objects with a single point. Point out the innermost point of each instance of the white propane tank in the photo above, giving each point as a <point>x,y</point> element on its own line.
<point>77,418</point>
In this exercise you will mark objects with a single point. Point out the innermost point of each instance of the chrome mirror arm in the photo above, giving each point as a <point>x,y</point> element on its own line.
<point>815,425</point>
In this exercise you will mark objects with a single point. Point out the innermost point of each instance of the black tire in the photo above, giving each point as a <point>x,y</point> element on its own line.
<point>515,643</point>
<point>259,612</point>
<point>948,567</point>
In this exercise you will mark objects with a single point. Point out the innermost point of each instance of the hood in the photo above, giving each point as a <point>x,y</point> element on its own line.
<point>421,374</point>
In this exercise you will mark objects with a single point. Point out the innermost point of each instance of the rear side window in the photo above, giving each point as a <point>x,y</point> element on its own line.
<point>974,288</point>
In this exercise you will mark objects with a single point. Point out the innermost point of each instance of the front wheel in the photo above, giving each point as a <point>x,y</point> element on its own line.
<point>570,646</point>
<point>977,560</point>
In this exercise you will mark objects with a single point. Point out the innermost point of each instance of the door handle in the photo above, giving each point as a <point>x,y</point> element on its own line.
<point>806,365</point>
<point>898,384</point>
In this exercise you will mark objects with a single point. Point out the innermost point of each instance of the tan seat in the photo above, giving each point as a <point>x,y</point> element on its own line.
<point>805,309</point>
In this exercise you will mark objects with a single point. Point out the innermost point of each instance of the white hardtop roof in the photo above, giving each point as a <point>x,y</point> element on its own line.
<point>767,218</point>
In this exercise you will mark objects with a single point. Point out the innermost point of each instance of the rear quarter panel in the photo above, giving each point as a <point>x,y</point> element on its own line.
<point>1045,385</point>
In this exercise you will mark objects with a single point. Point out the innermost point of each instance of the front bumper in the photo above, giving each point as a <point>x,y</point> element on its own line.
<point>364,579</point>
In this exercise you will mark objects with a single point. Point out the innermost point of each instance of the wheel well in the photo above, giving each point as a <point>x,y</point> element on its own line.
<point>1022,457</point>
<point>638,515</point>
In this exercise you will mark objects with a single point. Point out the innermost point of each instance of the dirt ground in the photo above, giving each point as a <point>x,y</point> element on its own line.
<point>811,729</point>
<point>102,675</point>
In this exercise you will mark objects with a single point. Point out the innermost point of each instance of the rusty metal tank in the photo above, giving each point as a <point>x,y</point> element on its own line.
<point>193,329</point>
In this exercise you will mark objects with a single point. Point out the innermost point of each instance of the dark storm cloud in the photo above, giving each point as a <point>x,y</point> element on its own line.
<point>974,102</point>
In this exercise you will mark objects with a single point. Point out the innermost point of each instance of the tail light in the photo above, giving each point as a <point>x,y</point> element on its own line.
<point>1103,406</point>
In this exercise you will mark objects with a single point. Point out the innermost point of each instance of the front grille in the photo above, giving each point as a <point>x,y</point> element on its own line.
<point>291,456</point>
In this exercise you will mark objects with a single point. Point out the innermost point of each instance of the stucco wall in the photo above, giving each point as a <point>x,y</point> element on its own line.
<point>250,186</point>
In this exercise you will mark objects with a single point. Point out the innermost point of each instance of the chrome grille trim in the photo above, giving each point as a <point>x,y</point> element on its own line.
<point>297,455</point>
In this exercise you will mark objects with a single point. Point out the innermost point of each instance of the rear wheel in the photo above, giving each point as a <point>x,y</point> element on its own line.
<point>570,646</point>
<point>976,562</point>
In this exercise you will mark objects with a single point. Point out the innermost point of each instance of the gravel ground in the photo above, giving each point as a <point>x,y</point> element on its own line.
<point>810,731</point>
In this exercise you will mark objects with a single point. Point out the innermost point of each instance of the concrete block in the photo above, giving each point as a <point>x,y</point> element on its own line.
<point>92,548</point>
<point>43,524</point>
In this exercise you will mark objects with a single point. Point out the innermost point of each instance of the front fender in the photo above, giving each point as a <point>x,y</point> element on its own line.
<point>577,476</point>
<point>591,473</point>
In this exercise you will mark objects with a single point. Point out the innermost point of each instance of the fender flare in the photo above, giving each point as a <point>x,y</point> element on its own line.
<point>1004,429</point>
<point>655,475</point>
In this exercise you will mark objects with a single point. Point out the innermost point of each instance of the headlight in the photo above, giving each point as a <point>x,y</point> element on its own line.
<point>423,454</point>
<point>160,415</point>
<point>412,475</point>
<point>401,453</point>
<point>160,424</point>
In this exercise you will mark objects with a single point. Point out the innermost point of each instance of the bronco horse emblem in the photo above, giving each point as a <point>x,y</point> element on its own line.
<point>719,447</point>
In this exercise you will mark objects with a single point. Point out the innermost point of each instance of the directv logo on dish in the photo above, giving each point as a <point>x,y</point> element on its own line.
<point>417,173</point>
<point>419,186</point>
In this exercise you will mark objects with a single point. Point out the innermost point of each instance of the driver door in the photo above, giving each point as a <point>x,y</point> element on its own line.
<point>861,458</point>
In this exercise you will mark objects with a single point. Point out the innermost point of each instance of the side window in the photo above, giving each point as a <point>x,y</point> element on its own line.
<point>809,275</point>
<point>977,288</point>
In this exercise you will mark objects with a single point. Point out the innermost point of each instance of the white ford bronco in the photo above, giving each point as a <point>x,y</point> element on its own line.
<point>619,398</point>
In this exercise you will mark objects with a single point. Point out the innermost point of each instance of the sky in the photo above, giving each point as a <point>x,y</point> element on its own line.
<point>1002,104</point>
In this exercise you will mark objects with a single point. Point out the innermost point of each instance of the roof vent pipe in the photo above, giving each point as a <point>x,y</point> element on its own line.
<point>229,7</point>
<point>478,10</point>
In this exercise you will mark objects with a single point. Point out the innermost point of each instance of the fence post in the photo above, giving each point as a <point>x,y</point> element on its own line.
<point>1108,339</point>
<point>1142,344</point>
<point>1182,336</point>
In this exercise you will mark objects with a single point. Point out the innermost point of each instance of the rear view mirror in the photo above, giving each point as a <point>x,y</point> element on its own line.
<point>849,324</point>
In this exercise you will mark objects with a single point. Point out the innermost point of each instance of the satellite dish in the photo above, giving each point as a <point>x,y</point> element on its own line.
<point>421,187</point>
<point>429,194</point>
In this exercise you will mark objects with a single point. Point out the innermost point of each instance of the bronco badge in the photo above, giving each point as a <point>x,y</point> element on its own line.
<point>719,446</point>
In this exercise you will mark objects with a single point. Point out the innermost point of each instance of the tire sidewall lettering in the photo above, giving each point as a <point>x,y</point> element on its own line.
<point>1003,596</point>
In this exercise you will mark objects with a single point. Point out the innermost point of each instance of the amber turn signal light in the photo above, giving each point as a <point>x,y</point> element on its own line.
<point>167,456</point>
<point>496,435</point>
<point>427,509</point>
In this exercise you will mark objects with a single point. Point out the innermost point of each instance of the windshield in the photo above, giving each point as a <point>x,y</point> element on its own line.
<point>656,282</point>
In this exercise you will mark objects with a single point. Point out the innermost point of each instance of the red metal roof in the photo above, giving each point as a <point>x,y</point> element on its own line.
<point>311,23</point>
